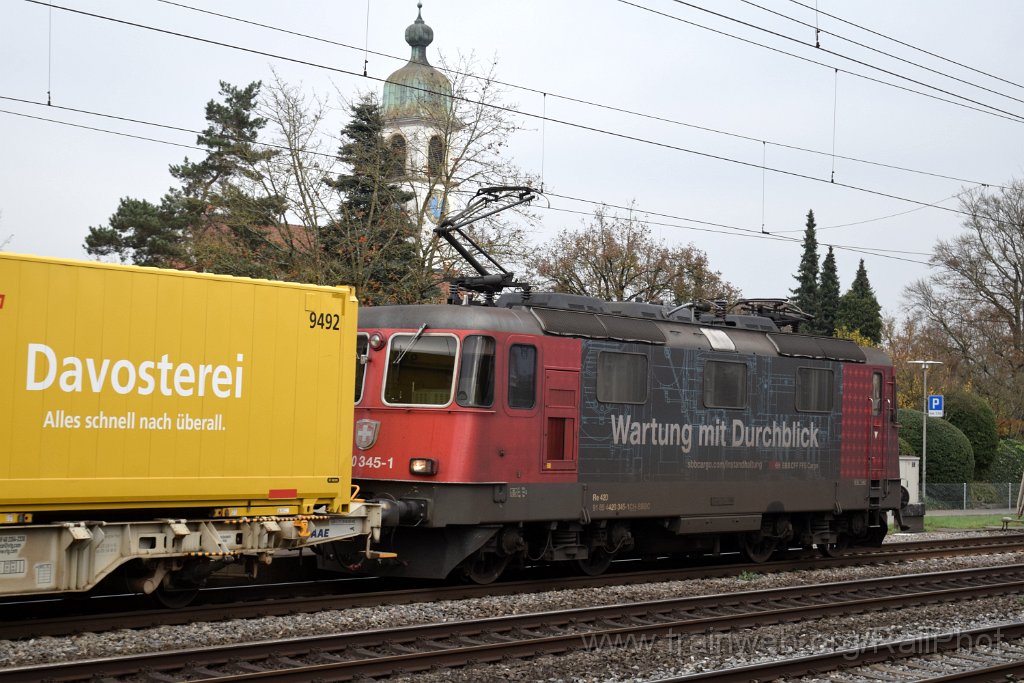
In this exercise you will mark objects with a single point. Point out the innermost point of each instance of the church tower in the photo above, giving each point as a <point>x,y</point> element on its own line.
<point>418,120</point>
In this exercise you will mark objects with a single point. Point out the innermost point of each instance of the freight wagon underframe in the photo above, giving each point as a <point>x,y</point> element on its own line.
<point>163,554</point>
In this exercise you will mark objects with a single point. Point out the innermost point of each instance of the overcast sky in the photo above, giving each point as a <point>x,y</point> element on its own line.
<point>642,55</point>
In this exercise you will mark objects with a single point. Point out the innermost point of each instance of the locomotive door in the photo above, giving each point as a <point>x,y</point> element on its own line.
<point>878,438</point>
<point>561,410</point>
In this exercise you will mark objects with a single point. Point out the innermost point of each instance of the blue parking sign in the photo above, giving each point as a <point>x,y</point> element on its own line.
<point>935,405</point>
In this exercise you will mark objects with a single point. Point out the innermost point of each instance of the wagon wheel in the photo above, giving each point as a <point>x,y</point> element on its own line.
<point>834,549</point>
<point>484,568</point>
<point>597,563</point>
<point>757,547</point>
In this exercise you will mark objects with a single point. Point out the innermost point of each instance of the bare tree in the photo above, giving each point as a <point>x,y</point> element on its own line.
<point>616,258</point>
<point>281,198</point>
<point>974,300</point>
<point>475,127</point>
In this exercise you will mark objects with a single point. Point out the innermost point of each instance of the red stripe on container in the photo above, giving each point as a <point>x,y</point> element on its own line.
<point>283,493</point>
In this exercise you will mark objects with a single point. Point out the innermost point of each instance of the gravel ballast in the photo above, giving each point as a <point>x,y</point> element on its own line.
<point>650,660</point>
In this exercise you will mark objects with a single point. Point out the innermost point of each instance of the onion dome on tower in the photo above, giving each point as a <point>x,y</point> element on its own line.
<point>418,125</point>
<point>417,90</point>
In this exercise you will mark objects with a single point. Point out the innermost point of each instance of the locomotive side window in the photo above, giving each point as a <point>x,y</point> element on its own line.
<point>420,369</point>
<point>522,376</point>
<point>814,390</point>
<point>361,350</point>
<point>876,393</point>
<point>725,384</point>
<point>476,374</point>
<point>621,377</point>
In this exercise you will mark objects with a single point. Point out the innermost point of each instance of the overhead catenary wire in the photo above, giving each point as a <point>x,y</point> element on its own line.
<point>101,130</point>
<point>990,111</point>
<point>881,52</point>
<point>906,44</point>
<point>877,218</point>
<point>590,103</point>
<point>510,110</point>
<point>716,228</point>
<point>859,62</point>
<point>49,55</point>
<point>754,234</point>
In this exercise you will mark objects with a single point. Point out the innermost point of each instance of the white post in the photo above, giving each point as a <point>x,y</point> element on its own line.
<point>965,495</point>
<point>925,364</point>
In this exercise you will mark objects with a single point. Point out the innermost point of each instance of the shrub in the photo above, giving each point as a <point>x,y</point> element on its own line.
<point>1008,464</point>
<point>906,448</point>
<point>950,456</point>
<point>973,416</point>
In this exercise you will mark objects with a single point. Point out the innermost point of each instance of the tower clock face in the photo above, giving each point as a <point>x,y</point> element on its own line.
<point>435,207</point>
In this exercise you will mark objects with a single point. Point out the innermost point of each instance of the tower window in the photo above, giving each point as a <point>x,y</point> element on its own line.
<point>435,156</point>
<point>396,162</point>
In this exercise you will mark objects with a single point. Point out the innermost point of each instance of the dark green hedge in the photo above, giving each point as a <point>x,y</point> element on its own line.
<point>973,416</point>
<point>950,455</point>
<point>1008,464</point>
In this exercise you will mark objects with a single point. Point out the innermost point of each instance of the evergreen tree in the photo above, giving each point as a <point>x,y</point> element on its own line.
<point>858,308</point>
<point>220,219</point>
<point>237,224</point>
<point>806,293</point>
<point>828,296</point>
<point>373,243</point>
<point>142,233</point>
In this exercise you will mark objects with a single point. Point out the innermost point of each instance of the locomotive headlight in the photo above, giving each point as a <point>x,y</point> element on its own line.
<point>423,466</point>
<point>376,341</point>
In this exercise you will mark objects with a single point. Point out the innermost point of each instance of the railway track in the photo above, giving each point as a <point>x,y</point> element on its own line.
<point>983,655</point>
<point>423,647</point>
<point>338,595</point>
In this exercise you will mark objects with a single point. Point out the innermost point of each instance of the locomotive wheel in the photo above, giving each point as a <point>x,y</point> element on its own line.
<point>757,548</point>
<point>598,562</point>
<point>485,568</point>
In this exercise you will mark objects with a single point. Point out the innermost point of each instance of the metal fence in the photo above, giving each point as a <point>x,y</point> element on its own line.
<point>975,495</point>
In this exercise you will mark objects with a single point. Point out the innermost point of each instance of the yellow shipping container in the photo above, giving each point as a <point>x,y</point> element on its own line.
<point>125,387</point>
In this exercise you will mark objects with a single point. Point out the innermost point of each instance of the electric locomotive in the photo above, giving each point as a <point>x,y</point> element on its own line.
<point>530,427</point>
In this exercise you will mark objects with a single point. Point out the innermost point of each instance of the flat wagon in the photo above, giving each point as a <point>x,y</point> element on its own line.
<point>170,421</point>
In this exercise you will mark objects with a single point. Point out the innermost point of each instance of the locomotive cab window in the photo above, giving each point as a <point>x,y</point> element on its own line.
<point>362,341</point>
<point>476,373</point>
<point>725,384</point>
<point>420,369</point>
<point>621,377</point>
<point>814,390</point>
<point>522,376</point>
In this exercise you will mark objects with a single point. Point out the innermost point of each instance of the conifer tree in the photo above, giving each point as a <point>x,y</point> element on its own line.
<point>373,241</point>
<point>859,309</point>
<point>219,218</point>
<point>828,296</point>
<point>806,293</point>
